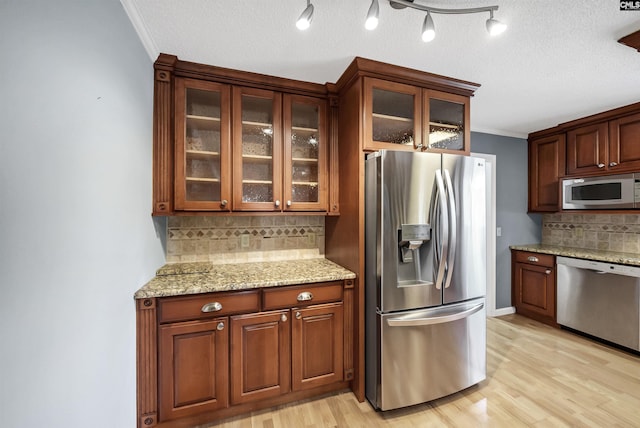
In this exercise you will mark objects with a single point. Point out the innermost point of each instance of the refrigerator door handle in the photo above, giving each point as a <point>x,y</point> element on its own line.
<point>409,322</point>
<point>453,228</point>
<point>442,229</point>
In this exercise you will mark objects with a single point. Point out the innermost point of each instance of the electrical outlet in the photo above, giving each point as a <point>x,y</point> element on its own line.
<point>578,231</point>
<point>312,238</point>
<point>498,231</point>
<point>244,241</point>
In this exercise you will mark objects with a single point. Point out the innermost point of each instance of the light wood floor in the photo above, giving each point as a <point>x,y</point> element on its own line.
<point>537,376</point>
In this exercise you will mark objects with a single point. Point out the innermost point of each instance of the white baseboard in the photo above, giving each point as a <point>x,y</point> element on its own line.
<point>503,311</point>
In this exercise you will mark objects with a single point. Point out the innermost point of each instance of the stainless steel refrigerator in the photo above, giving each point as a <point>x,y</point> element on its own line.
<point>425,276</point>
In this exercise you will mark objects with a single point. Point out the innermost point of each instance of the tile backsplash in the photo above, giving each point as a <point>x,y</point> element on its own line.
<point>612,232</point>
<point>233,239</point>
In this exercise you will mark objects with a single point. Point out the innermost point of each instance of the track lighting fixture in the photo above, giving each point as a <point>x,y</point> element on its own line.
<point>304,21</point>
<point>372,16</point>
<point>494,27</point>
<point>428,29</point>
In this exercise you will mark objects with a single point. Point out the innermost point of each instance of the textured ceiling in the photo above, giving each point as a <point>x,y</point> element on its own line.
<point>557,61</point>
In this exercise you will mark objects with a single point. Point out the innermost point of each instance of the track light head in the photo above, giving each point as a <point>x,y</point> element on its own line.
<point>304,21</point>
<point>428,29</point>
<point>495,27</point>
<point>372,16</point>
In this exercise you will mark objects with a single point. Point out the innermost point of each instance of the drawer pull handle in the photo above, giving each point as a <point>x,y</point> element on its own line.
<point>533,259</point>
<point>220,326</point>
<point>305,296</point>
<point>298,315</point>
<point>283,318</point>
<point>212,307</point>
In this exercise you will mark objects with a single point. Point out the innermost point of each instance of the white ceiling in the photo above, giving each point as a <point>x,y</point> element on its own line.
<point>557,61</point>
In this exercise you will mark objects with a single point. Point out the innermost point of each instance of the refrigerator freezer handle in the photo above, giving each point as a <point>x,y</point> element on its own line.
<point>453,228</point>
<point>443,229</point>
<point>408,322</point>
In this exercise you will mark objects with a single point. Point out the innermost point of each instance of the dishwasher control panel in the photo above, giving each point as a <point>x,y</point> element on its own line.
<point>600,267</point>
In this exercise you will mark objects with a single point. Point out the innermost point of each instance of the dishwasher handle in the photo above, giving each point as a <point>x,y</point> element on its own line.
<point>600,268</point>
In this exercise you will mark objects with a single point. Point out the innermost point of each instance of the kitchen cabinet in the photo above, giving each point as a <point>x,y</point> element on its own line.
<point>203,147</point>
<point>546,167</point>
<point>227,140</point>
<point>260,356</point>
<point>533,285</point>
<point>399,116</point>
<point>281,165</point>
<point>220,354</point>
<point>606,147</point>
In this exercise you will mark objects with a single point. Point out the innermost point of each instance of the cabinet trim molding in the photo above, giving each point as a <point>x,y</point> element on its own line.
<point>147,363</point>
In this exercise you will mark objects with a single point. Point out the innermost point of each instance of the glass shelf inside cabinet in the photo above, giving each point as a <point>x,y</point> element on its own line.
<point>393,117</point>
<point>446,124</point>
<point>305,141</point>
<point>202,145</point>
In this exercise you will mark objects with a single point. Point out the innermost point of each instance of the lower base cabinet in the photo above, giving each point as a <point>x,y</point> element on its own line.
<point>533,285</point>
<point>222,352</point>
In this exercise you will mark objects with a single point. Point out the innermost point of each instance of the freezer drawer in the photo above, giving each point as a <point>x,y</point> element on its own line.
<point>427,354</point>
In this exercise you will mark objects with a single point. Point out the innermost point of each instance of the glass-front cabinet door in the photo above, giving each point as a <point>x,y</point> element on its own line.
<point>446,119</point>
<point>392,118</point>
<point>203,155</point>
<point>305,148</point>
<point>257,144</point>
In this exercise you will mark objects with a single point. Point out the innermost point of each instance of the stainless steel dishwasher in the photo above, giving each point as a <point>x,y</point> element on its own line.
<point>600,299</point>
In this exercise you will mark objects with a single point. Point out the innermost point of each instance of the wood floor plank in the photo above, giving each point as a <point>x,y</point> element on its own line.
<point>537,376</point>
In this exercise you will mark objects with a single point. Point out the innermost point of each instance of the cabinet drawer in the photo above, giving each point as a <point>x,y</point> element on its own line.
<point>208,305</point>
<point>302,295</point>
<point>535,258</point>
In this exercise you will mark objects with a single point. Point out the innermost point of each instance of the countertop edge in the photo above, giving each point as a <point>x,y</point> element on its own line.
<point>630,259</point>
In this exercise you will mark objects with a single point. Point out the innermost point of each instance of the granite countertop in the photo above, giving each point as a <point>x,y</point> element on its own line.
<point>192,278</point>
<point>632,259</point>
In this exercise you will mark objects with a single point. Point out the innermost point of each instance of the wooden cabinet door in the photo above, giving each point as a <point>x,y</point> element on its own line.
<point>257,150</point>
<point>446,122</point>
<point>203,148</point>
<point>392,115</point>
<point>587,149</point>
<point>546,166</point>
<point>316,346</point>
<point>624,144</point>
<point>305,153</point>
<point>533,285</point>
<point>193,368</point>
<point>260,356</point>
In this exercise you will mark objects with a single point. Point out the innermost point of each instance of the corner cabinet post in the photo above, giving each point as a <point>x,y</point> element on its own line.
<point>163,135</point>
<point>348,328</point>
<point>334,189</point>
<point>146,361</point>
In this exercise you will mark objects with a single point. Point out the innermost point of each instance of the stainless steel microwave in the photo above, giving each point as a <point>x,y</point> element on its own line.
<point>620,191</point>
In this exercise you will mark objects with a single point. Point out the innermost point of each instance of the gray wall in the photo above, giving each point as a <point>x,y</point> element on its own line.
<point>76,235</point>
<point>518,227</point>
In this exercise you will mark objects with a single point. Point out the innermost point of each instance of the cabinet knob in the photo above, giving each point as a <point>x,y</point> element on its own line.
<point>220,326</point>
<point>305,296</point>
<point>600,165</point>
<point>533,259</point>
<point>283,317</point>
<point>613,163</point>
<point>212,307</point>
<point>298,315</point>
<point>288,203</point>
<point>224,202</point>
<point>277,203</point>
<point>548,271</point>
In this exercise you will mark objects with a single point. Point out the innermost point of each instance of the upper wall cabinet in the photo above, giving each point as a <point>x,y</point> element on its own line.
<point>405,109</point>
<point>606,147</point>
<point>546,166</point>
<point>227,140</point>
